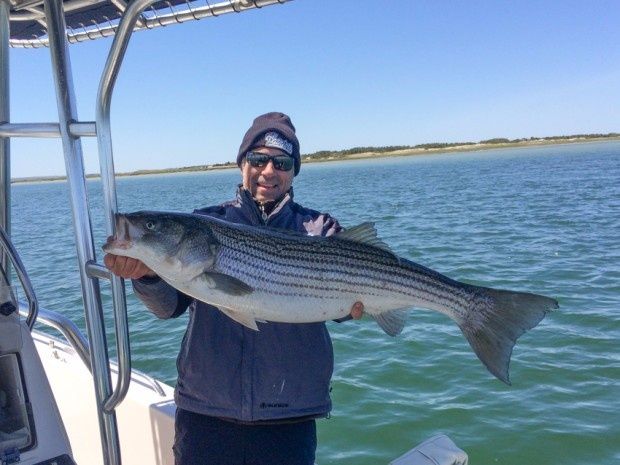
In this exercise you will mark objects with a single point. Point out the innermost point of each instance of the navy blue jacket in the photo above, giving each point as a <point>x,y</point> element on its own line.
<point>229,371</point>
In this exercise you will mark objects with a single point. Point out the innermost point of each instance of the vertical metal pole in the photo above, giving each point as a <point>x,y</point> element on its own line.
<point>106,163</point>
<point>5,142</point>
<point>74,163</point>
<point>5,168</point>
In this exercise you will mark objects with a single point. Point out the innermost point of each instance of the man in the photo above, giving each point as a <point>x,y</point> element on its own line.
<point>244,396</point>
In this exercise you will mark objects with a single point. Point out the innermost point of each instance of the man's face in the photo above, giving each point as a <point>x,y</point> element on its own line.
<point>266,183</point>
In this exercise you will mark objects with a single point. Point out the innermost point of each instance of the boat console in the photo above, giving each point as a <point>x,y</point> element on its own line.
<point>31,428</point>
<point>16,426</point>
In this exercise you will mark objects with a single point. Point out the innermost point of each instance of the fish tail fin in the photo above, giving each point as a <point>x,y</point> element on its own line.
<point>496,319</point>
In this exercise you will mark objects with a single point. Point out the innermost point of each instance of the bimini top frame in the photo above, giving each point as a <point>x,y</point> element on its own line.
<point>54,23</point>
<point>92,19</point>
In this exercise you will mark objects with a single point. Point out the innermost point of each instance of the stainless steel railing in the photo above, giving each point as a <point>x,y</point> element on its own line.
<point>11,254</point>
<point>78,342</point>
<point>74,166</point>
<point>64,326</point>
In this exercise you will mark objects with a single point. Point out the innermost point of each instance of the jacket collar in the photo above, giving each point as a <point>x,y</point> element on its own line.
<point>247,203</point>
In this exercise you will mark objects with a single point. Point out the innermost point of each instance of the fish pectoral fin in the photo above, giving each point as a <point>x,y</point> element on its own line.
<point>226,284</point>
<point>241,318</point>
<point>392,321</point>
<point>366,233</point>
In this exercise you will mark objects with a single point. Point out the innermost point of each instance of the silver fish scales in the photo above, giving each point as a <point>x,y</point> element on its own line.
<point>262,274</point>
<point>330,267</point>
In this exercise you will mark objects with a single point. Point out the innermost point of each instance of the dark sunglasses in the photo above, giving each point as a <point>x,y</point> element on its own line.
<point>280,162</point>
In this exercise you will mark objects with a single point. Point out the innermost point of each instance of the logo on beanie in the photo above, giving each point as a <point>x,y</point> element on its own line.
<point>276,141</point>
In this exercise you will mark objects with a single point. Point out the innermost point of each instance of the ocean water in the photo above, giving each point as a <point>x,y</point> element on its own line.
<point>543,219</point>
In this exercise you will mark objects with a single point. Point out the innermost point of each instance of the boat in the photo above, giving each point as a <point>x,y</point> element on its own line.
<point>63,400</point>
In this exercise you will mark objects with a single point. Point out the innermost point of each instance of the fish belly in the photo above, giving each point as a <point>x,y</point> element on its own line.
<point>299,305</point>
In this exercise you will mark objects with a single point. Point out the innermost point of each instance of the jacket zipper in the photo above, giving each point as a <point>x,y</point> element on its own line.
<point>263,215</point>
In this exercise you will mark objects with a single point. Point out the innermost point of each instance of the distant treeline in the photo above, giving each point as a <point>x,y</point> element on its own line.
<point>354,150</point>
<point>192,168</point>
<point>501,140</point>
<point>331,154</point>
<point>322,154</point>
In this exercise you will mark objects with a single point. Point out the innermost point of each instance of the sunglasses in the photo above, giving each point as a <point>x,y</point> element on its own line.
<point>280,162</point>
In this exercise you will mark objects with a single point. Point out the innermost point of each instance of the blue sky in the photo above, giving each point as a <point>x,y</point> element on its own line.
<point>349,72</point>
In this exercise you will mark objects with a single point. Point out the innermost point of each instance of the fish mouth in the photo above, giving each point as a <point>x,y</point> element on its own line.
<point>121,240</point>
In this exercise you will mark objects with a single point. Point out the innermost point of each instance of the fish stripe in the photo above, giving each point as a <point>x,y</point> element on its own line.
<point>247,265</point>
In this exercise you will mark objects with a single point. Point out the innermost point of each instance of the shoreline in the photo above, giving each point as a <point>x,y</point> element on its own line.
<point>466,147</point>
<point>469,147</point>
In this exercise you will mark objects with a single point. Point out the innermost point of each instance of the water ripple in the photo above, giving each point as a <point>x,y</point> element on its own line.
<point>541,220</point>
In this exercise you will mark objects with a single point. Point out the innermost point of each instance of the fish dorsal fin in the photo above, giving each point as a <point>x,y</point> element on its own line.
<point>366,233</point>
<point>392,321</point>
<point>227,284</point>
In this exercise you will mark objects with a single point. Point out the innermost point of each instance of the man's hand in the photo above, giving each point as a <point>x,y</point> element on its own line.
<point>125,267</point>
<point>357,310</point>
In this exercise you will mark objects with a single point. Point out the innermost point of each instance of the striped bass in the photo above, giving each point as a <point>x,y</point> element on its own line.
<point>264,274</point>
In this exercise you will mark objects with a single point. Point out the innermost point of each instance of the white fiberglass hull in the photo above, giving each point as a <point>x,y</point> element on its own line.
<point>145,418</point>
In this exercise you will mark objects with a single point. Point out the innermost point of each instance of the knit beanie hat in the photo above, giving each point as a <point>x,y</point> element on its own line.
<point>271,130</point>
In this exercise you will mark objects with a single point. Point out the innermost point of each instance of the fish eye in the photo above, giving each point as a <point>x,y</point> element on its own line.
<point>150,225</point>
